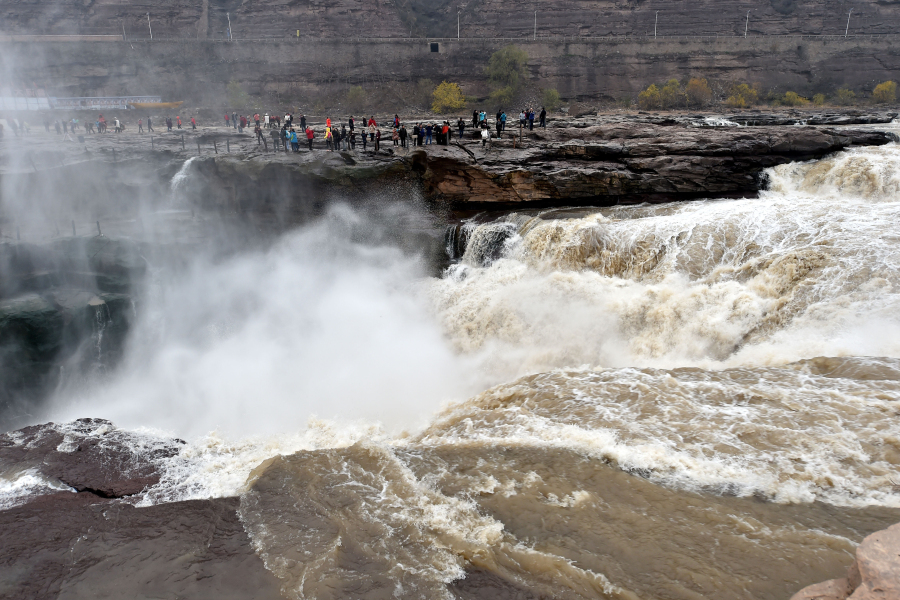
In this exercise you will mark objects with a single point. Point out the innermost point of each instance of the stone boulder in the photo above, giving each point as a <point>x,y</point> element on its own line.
<point>875,575</point>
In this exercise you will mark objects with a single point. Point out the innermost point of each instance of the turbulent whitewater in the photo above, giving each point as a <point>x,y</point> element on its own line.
<point>669,401</point>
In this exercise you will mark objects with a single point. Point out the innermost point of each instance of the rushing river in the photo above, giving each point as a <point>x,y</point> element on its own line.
<point>691,400</point>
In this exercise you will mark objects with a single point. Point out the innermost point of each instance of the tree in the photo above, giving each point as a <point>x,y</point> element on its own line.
<point>237,97</point>
<point>550,99</point>
<point>742,96</point>
<point>650,99</point>
<point>844,96</point>
<point>671,95</point>
<point>794,99</point>
<point>447,97</point>
<point>507,67</point>
<point>819,99</point>
<point>885,92</point>
<point>698,92</point>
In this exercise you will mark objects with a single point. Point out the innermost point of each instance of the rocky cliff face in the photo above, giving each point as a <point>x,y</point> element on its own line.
<point>477,18</point>
<point>627,162</point>
<point>304,73</point>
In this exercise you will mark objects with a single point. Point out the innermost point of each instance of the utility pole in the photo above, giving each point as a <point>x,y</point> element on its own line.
<point>124,39</point>
<point>747,24</point>
<point>655,24</point>
<point>457,22</point>
<point>228,16</point>
<point>848,23</point>
<point>535,24</point>
<point>149,27</point>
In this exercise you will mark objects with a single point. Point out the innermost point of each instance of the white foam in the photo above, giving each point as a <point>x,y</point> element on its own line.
<point>18,488</point>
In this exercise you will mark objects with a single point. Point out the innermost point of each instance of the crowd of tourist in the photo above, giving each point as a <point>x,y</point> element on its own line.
<point>286,134</point>
<point>360,134</point>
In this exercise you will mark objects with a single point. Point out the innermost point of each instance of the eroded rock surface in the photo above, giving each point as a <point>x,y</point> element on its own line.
<point>875,575</point>
<point>87,455</point>
<point>61,547</point>
<point>77,535</point>
<point>615,163</point>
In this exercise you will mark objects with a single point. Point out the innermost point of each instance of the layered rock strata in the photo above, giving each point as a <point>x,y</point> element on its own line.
<point>606,164</point>
<point>300,74</point>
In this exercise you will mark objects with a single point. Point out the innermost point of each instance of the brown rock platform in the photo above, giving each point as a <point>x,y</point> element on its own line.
<point>90,542</point>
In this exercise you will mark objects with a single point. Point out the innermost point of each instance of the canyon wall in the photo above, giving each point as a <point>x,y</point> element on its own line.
<point>301,72</point>
<point>208,19</point>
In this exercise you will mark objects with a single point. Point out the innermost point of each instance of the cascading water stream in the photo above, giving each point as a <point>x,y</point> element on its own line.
<point>179,181</point>
<point>710,388</point>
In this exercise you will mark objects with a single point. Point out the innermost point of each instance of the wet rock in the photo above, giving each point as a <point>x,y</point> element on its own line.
<point>851,117</point>
<point>620,163</point>
<point>98,263</point>
<point>875,575</point>
<point>62,547</point>
<point>878,564</point>
<point>88,455</point>
<point>833,589</point>
<point>43,333</point>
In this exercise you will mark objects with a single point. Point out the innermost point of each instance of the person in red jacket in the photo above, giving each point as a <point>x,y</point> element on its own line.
<point>227,120</point>
<point>178,120</point>
<point>193,123</point>
<point>256,118</point>
<point>309,137</point>
<point>372,121</point>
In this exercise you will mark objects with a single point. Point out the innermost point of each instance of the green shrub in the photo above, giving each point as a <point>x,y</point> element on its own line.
<point>698,92</point>
<point>844,96</point>
<point>885,92</point>
<point>550,99</point>
<point>650,98</point>
<point>503,95</point>
<point>507,67</point>
<point>447,97</point>
<point>819,99</point>
<point>237,97</point>
<point>356,97</point>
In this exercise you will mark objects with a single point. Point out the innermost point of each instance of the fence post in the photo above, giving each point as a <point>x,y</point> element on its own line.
<point>198,146</point>
<point>182,142</point>
<point>228,146</point>
<point>151,143</point>
<point>98,229</point>
<point>215,147</point>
